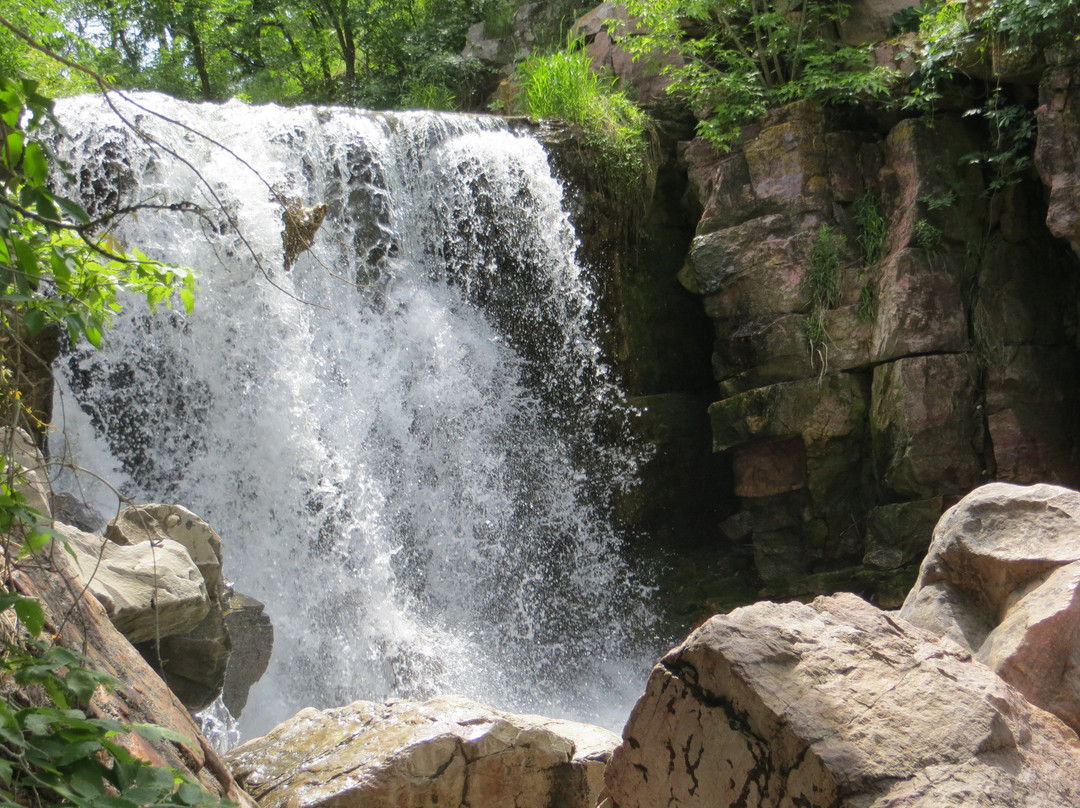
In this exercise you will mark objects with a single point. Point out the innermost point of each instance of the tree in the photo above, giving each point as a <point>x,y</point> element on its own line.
<point>746,56</point>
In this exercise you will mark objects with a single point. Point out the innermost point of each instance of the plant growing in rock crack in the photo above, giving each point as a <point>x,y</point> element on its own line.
<point>823,283</point>
<point>927,236</point>
<point>873,230</point>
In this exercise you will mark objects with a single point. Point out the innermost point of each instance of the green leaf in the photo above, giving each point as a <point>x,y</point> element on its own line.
<point>35,164</point>
<point>31,615</point>
<point>34,319</point>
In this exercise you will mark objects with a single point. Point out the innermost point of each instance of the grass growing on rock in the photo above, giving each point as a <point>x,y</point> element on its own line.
<point>562,86</point>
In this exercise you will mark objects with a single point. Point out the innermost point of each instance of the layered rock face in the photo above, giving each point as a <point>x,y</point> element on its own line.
<point>948,361</point>
<point>833,704</point>
<point>444,752</point>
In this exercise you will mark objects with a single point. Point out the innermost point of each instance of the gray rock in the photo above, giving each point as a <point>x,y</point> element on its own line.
<point>835,704</point>
<point>252,636</point>
<point>71,510</point>
<point>149,590</point>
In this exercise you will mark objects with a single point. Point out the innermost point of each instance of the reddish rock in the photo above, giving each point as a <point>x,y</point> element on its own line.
<point>764,468</point>
<point>1057,149</point>
<point>1031,398</point>
<point>920,306</point>
<point>924,425</point>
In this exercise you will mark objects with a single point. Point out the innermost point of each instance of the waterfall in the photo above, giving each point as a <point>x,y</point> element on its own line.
<point>407,439</point>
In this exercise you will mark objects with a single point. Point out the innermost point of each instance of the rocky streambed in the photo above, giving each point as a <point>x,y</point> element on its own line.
<point>969,695</point>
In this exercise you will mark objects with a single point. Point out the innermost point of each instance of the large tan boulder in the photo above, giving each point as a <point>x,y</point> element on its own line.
<point>155,522</point>
<point>149,590</point>
<point>1002,579</point>
<point>447,751</point>
<point>835,704</point>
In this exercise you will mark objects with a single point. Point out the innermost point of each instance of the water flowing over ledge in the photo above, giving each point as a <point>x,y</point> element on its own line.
<point>407,441</point>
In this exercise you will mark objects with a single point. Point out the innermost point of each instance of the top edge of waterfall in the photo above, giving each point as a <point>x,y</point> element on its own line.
<point>155,101</point>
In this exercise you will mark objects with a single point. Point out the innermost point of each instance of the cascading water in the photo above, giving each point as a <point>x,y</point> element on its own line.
<point>405,440</point>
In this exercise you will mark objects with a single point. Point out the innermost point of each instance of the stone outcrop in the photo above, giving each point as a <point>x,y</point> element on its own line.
<point>81,623</point>
<point>948,361</point>
<point>448,751</point>
<point>158,575</point>
<point>1002,579</point>
<point>154,523</point>
<point>1057,151</point>
<point>830,704</point>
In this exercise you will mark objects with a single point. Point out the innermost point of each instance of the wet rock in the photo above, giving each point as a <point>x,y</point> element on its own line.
<point>252,636</point>
<point>71,510</point>
<point>447,751</point>
<point>1002,579</point>
<point>835,703</point>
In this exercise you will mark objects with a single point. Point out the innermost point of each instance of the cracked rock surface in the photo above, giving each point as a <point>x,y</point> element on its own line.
<point>835,704</point>
<point>448,751</point>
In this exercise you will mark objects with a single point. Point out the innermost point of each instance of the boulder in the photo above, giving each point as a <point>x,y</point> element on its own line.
<point>149,590</point>
<point>835,703</point>
<point>448,751</point>
<point>156,522</point>
<point>252,636</point>
<point>1002,579</point>
<point>71,510</point>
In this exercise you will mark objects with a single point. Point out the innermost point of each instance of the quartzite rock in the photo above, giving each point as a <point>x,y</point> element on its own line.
<point>142,697</point>
<point>155,522</point>
<point>148,590</point>
<point>1057,149</point>
<point>447,752</point>
<point>1002,578</point>
<point>835,704</point>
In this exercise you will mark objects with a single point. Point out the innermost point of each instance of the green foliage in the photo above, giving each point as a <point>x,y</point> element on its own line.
<point>823,281</point>
<point>562,86</point>
<point>52,752</point>
<point>927,235</point>
<point>56,264</point>
<point>364,52</point>
<point>1012,141</point>
<point>873,229</point>
<point>744,57</point>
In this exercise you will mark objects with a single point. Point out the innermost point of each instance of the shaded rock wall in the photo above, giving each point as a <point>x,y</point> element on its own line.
<point>950,361</point>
